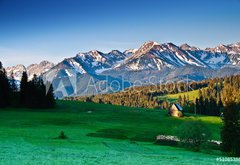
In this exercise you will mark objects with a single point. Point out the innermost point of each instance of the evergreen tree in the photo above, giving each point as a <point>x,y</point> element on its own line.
<point>201,105</point>
<point>220,106</point>
<point>37,96</point>
<point>14,94</point>
<point>13,83</point>
<point>212,107</point>
<point>197,107</point>
<point>184,100</point>
<point>24,89</point>
<point>188,99</point>
<point>50,97</point>
<point>32,94</point>
<point>4,88</point>
<point>180,100</point>
<point>230,133</point>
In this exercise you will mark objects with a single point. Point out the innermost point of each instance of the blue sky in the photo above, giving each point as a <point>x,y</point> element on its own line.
<point>36,30</point>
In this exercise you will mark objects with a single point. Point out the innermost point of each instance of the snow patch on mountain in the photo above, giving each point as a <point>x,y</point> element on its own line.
<point>37,69</point>
<point>150,57</point>
<point>16,71</point>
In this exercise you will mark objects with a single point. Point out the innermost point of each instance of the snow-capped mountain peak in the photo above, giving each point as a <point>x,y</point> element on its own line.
<point>32,69</point>
<point>130,52</point>
<point>16,71</point>
<point>151,56</point>
<point>185,47</point>
<point>146,47</point>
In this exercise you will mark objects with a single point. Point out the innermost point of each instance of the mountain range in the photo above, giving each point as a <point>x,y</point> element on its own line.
<point>37,69</point>
<point>97,72</point>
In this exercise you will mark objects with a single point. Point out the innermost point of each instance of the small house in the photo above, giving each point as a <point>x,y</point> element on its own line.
<point>176,110</point>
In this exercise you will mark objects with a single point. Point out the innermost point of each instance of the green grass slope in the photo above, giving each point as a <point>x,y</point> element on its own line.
<point>174,97</point>
<point>97,134</point>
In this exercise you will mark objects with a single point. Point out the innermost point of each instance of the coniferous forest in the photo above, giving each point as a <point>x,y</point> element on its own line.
<point>30,93</point>
<point>143,96</point>
<point>213,94</point>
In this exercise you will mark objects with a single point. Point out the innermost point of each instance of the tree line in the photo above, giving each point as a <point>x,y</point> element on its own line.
<point>216,97</point>
<point>222,97</point>
<point>144,96</point>
<point>210,99</point>
<point>30,93</point>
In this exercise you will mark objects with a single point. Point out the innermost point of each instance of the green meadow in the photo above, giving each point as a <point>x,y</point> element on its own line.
<point>97,134</point>
<point>193,94</point>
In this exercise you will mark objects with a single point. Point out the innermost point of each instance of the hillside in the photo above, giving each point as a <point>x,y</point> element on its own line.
<point>98,133</point>
<point>193,94</point>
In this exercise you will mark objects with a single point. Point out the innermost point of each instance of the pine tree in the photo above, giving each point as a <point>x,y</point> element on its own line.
<point>4,88</point>
<point>188,99</point>
<point>38,96</point>
<point>13,83</point>
<point>220,106</point>
<point>180,100</point>
<point>197,107</point>
<point>212,107</point>
<point>230,133</point>
<point>201,105</point>
<point>205,110</point>
<point>35,95</point>
<point>24,89</point>
<point>14,93</point>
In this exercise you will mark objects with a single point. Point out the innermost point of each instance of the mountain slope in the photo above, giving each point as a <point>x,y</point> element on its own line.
<point>32,69</point>
<point>16,71</point>
<point>165,62</point>
<point>156,56</point>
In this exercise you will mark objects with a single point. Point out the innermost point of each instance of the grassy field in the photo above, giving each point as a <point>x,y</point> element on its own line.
<point>97,134</point>
<point>174,97</point>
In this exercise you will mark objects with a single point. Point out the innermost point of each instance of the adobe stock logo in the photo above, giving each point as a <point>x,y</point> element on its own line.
<point>68,82</point>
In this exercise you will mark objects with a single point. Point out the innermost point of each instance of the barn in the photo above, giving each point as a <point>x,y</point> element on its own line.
<point>176,110</point>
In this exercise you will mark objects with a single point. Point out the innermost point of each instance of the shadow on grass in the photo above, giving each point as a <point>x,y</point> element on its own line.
<point>145,136</point>
<point>123,134</point>
<point>61,122</point>
<point>110,133</point>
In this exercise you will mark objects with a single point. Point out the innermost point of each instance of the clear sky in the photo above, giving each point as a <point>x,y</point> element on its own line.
<point>36,30</point>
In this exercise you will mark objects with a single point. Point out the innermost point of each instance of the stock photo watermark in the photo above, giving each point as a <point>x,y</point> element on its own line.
<point>87,84</point>
<point>228,159</point>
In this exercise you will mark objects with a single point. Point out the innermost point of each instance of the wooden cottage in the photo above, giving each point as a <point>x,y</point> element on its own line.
<point>176,110</point>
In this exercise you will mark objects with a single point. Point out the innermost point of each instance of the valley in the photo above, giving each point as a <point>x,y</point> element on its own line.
<point>96,133</point>
<point>119,82</point>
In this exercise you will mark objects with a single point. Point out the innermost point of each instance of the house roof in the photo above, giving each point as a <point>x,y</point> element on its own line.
<point>178,107</point>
